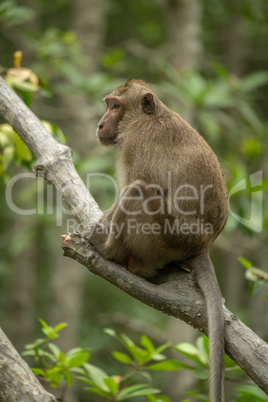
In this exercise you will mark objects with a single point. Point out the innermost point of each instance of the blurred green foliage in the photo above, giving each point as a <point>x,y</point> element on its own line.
<point>144,359</point>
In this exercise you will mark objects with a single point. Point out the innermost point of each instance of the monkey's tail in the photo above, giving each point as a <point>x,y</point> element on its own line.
<point>207,281</point>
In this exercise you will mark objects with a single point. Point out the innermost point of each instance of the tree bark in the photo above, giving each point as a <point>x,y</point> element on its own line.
<point>183,24</point>
<point>17,381</point>
<point>174,293</point>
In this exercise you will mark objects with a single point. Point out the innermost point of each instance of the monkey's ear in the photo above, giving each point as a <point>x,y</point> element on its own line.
<point>147,103</point>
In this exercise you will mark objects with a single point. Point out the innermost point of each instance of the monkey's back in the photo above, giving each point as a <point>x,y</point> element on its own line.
<point>169,153</point>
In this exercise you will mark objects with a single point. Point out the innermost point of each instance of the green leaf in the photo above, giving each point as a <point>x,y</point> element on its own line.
<point>97,375</point>
<point>37,343</point>
<point>7,156</point>
<point>128,342</point>
<point>60,326</point>
<point>235,369</point>
<point>99,391</point>
<point>140,355</point>
<point>169,365</point>
<point>202,346</point>
<point>254,80</point>
<point>142,392</point>
<point>250,116</point>
<point>84,379</point>
<point>254,392</point>
<point>131,388</point>
<point>218,95</point>
<point>112,385</point>
<point>163,347</point>
<point>198,396</point>
<point>23,85</point>
<point>77,360</point>
<point>229,363</point>
<point>43,323</point>
<point>202,373</point>
<point>246,263</point>
<point>55,350</point>
<point>54,375</point>
<point>28,353</point>
<point>13,15</point>
<point>257,286</point>
<point>47,330</point>
<point>74,351</point>
<point>136,390</point>
<point>68,376</point>
<point>122,357</point>
<point>158,398</point>
<point>56,132</point>
<point>110,332</point>
<point>189,350</point>
<point>210,124</point>
<point>147,344</point>
<point>38,372</point>
<point>50,356</point>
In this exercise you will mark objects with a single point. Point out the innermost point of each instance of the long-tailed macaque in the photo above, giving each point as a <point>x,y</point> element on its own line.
<point>173,201</point>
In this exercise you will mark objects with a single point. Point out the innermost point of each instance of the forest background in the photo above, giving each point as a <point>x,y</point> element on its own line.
<point>208,61</point>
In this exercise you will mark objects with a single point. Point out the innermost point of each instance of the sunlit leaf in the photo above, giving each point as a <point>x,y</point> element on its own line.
<point>246,263</point>
<point>68,376</point>
<point>7,156</point>
<point>21,150</point>
<point>158,398</point>
<point>112,385</point>
<point>169,365</point>
<point>38,372</point>
<point>78,360</point>
<point>188,350</point>
<point>122,357</point>
<point>60,326</point>
<point>54,349</point>
<point>110,332</point>
<point>147,343</point>
<point>202,346</point>
<point>97,375</point>
<point>54,375</point>
<point>136,390</point>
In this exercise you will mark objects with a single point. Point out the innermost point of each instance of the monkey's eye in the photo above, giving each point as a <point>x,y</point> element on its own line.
<point>116,106</point>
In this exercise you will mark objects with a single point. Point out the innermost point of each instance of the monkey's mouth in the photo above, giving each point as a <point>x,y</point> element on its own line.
<point>106,140</point>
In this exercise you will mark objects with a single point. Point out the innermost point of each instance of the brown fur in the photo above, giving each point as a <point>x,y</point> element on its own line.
<point>162,160</point>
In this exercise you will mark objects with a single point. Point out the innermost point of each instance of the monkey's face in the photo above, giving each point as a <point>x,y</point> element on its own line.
<point>107,127</point>
<point>128,103</point>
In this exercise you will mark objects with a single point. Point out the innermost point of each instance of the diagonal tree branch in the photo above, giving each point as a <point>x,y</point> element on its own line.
<point>174,292</point>
<point>17,381</point>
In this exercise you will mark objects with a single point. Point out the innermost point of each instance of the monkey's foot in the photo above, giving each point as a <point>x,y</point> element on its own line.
<point>96,235</point>
<point>88,232</point>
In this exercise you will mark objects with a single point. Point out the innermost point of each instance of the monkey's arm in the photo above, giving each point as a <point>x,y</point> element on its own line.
<point>175,296</point>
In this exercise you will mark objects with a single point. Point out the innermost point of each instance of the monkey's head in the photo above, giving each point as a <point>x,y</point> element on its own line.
<point>131,100</point>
